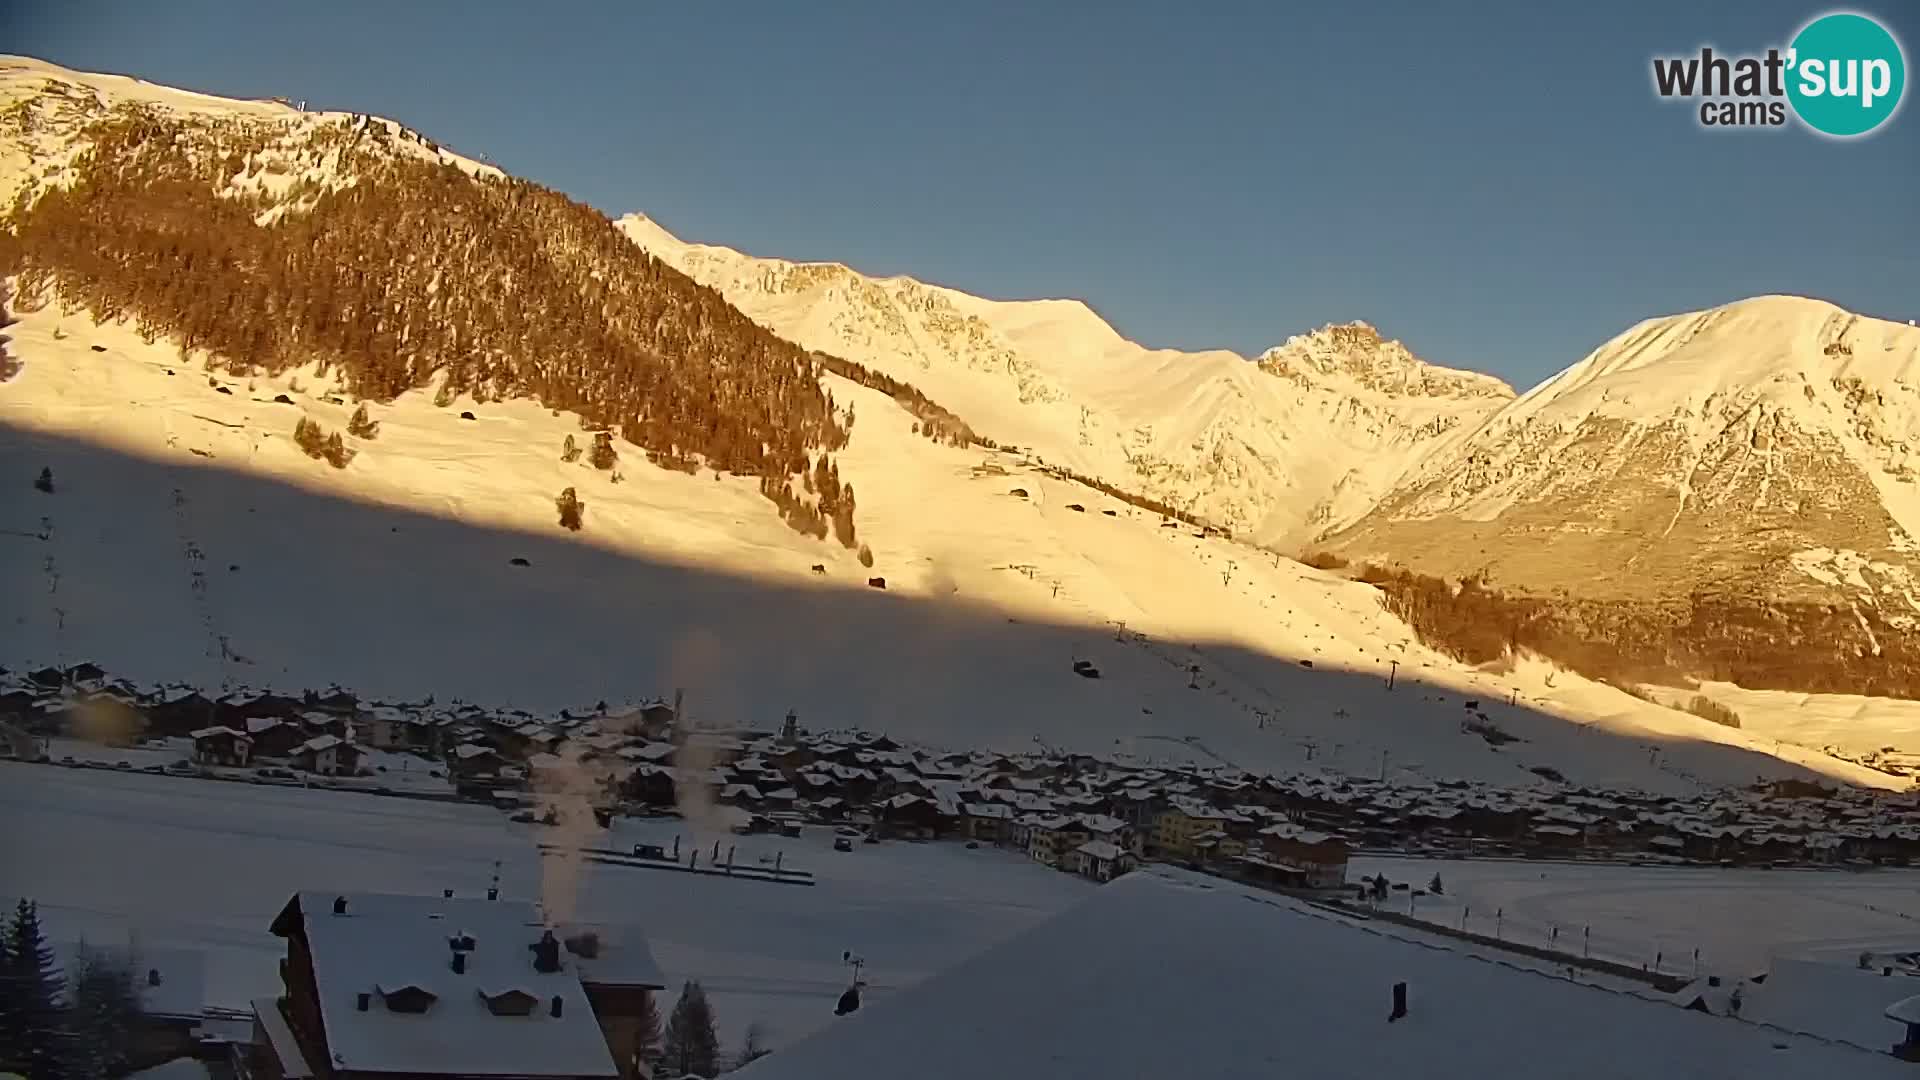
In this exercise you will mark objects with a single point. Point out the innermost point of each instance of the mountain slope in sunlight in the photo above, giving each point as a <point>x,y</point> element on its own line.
<point>189,539</point>
<point>1305,437</point>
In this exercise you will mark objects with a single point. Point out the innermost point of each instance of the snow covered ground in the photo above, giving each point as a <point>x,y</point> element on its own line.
<point>393,577</point>
<point>215,861</point>
<point>1164,973</point>
<point>1738,919</point>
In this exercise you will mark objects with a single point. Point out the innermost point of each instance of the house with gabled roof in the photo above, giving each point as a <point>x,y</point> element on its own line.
<point>383,986</point>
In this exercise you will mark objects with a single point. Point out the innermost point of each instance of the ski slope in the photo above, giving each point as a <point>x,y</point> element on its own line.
<point>393,577</point>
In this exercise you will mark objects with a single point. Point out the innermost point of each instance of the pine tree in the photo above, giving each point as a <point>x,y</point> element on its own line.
<point>604,455</point>
<point>1435,887</point>
<point>33,990</point>
<point>572,510</point>
<point>866,556</point>
<point>310,437</point>
<point>362,426</point>
<point>12,1024</point>
<point>104,1013</point>
<point>646,1036</point>
<point>691,1046</point>
<point>753,1046</point>
<point>336,451</point>
<point>569,451</point>
<point>44,481</point>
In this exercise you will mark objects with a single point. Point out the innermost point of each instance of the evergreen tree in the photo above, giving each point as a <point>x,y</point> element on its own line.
<point>604,455</point>
<point>13,1034</point>
<point>44,481</point>
<point>866,556</point>
<point>33,992</point>
<point>336,451</point>
<point>753,1046</point>
<point>310,437</point>
<point>691,1048</point>
<point>362,426</point>
<point>1435,887</point>
<point>104,1013</point>
<point>572,510</point>
<point>646,1039</point>
<point>569,451</point>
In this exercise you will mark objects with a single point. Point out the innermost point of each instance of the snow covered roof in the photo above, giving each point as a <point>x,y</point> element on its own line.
<point>210,732</point>
<point>1832,1000</point>
<point>320,743</point>
<point>389,941</point>
<point>1262,986</point>
<point>468,751</point>
<point>293,1065</point>
<point>1099,849</point>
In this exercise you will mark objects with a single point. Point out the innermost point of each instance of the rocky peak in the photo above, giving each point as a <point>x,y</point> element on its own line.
<point>1356,352</point>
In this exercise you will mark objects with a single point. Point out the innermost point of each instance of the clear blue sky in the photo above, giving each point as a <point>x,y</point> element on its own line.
<point>1494,183</point>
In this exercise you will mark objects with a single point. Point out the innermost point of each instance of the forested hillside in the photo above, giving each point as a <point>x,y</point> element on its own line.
<point>399,273</point>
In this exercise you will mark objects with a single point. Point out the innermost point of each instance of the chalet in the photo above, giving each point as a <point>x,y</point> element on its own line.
<point>1215,845</point>
<point>179,712</point>
<point>274,738</point>
<point>221,746</point>
<point>235,710</point>
<point>380,986</point>
<point>1100,860</point>
<point>652,720</point>
<point>326,755</point>
<point>650,785</point>
<point>383,727</point>
<point>1320,857</point>
<point>990,822</point>
<point>473,759</point>
<point>335,701</point>
<point>913,817</point>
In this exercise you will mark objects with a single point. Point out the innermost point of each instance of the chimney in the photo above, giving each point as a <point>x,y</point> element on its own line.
<point>363,1001</point>
<point>557,1002</point>
<point>339,905</point>
<point>493,892</point>
<point>153,976</point>
<point>446,894</point>
<point>1399,1002</point>
<point>459,963</point>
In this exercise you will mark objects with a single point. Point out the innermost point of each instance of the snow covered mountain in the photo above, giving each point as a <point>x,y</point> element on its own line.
<point>998,572</point>
<point>1309,437</point>
<point>1763,456</point>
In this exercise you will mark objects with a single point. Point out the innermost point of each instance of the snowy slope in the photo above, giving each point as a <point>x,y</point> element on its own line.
<point>1307,437</point>
<point>1257,985</point>
<point>692,581</point>
<point>44,110</point>
<point>684,581</point>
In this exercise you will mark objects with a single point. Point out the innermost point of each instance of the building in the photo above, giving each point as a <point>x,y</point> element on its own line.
<point>379,986</point>
<point>1320,857</point>
<point>222,745</point>
<point>1261,986</point>
<point>1100,860</point>
<point>326,755</point>
<point>274,738</point>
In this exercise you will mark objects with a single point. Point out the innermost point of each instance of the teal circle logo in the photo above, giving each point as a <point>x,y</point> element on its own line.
<point>1845,75</point>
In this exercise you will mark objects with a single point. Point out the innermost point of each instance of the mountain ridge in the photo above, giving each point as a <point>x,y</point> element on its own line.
<point>1333,433</point>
